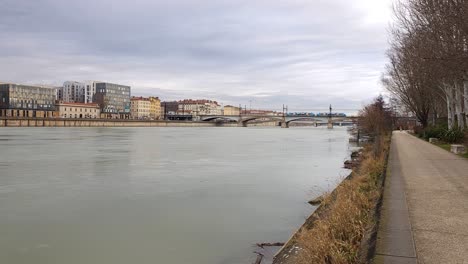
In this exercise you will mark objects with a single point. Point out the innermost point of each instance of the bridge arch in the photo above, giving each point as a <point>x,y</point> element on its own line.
<point>213,118</point>
<point>245,120</point>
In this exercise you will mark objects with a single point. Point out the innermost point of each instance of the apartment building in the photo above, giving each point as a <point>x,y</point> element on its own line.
<point>230,110</point>
<point>155,108</point>
<point>199,107</point>
<point>27,100</point>
<point>140,108</point>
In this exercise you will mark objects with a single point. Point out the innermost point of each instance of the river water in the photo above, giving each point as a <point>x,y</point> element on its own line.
<point>158,195</point>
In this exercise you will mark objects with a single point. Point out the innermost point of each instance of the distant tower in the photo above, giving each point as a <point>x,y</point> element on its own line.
<point>330,122</point>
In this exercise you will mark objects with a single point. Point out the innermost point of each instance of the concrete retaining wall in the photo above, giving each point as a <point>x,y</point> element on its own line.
<point>56,122</point>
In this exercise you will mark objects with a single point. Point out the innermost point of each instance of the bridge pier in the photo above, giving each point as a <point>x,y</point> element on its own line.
<point>284,125</point>
<point>242,124</point>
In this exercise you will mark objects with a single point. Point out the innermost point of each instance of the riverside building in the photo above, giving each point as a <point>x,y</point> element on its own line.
<point>140,108</point>
<point>199,107</point>
<point>155,108</point>
<point>145,108</point>
<point>169,108</point>
<point>230,110</point>
<point>73,92</point>
<point>27,100</point>
<point>77,110</point>
<point>89,92</point>
<point>113,99</point>
<point>77,92</point>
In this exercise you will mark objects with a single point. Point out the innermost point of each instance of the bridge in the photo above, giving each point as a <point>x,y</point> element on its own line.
<point>284,121</point>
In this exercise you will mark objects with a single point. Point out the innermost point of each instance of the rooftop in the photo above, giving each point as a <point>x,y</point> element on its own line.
<point>139,98</point>
<point>198,101</point>
<point>31,85</point>
<point>78,104</point>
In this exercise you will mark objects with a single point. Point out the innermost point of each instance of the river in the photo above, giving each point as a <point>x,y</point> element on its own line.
<point>159,195</point>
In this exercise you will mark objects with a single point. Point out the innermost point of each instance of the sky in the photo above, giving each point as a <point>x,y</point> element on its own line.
<point>306,54</point>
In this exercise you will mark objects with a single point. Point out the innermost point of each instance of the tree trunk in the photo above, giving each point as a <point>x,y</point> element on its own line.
<point>450,114</point>
<point>465,95</point>
<point>458,106</point>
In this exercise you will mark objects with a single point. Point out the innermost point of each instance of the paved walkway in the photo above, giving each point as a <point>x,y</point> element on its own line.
<point>425,208</point>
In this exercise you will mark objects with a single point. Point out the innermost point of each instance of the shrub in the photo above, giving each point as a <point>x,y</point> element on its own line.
<point>454,135</point>
<point>419,131</point>
<point>434,132</point>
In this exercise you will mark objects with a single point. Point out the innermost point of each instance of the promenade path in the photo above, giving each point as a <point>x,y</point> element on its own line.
<point>425,206</point>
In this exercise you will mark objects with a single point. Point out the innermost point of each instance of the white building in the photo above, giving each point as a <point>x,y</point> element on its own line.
<point>79,92</point>
<point>73,92</point>
<point>90,91</point>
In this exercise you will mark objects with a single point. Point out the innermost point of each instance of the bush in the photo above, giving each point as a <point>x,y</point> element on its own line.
<point>434,132</point>
<point>419,131</point>
<point>454,135</point>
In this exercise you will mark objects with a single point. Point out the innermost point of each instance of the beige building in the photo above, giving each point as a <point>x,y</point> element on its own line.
<point>77,110</point>
<point>230,110</point>
<point>155,108</point>
<point>199,107</point>
<point>140,108</point>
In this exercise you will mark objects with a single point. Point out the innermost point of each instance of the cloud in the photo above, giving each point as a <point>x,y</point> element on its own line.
<point>303,53</point>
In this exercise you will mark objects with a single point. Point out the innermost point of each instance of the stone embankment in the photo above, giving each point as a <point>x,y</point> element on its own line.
<point>77,122</point>
<point>71,122</point>
<point>343,228</point>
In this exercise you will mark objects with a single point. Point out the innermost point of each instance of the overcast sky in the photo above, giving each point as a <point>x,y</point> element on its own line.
<point>304,53</point>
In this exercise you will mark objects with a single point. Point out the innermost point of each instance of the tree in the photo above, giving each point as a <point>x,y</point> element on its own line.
<point>429,58</point>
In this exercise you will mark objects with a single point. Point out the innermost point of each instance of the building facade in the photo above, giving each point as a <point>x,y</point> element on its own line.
<point>113,99</point>
<point>77,92</point>
<point>230,110</point>
<point>77,110</point>
<point>155,108</point>
<point>145,108</point>
<point>140,108</point>
<point>60,93</point>
<point>27,100</point>
<point>169,108</point>
<point>199,107</point>
<point>73,92</point>
<point>89,92</point>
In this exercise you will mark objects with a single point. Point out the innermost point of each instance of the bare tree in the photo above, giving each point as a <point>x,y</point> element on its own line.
<point>429,57</point>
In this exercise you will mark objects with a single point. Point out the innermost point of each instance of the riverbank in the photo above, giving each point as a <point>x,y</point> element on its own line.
<point>343,228</point>
<point>77,122</point>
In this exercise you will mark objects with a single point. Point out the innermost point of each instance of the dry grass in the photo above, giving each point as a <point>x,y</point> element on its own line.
<point>337,235</point>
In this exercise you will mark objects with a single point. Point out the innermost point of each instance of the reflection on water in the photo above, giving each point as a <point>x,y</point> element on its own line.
<point>158,195</point>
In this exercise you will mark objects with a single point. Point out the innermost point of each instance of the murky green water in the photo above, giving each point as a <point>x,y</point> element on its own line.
<point>158,195</point>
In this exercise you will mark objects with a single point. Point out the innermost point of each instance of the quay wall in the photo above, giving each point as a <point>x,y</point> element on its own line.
<point>71,122</point>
